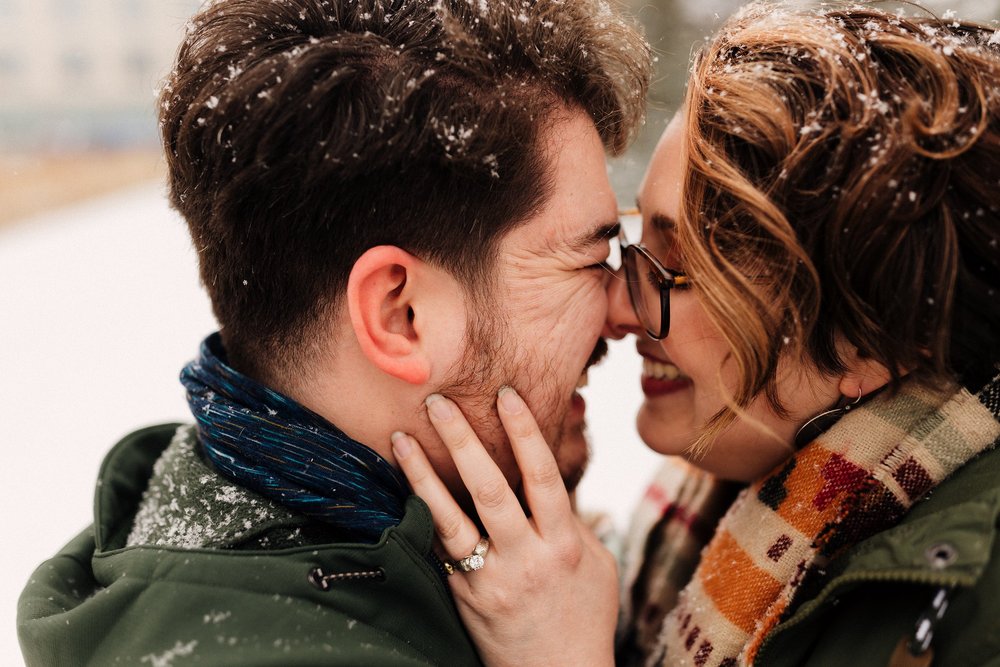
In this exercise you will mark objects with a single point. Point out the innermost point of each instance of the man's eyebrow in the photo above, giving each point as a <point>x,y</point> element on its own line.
<point>588,240</point>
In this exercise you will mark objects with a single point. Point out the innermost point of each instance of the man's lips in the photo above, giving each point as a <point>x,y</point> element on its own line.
<point>578,406</point>
<point>600,351</point>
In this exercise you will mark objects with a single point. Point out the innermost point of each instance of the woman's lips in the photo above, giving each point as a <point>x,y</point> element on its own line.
<point>653,387</point>
<point>661,377</point>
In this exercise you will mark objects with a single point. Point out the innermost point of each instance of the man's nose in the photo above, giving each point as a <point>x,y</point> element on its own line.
<point>621,318</point>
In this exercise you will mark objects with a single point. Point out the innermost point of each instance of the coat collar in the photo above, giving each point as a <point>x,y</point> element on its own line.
<point>946,540</point>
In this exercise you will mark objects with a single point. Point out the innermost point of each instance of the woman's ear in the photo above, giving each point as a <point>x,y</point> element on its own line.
<point>381,303</point>
<point>863,376</point>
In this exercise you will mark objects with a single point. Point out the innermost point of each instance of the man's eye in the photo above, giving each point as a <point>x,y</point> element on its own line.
<point>601,266</point>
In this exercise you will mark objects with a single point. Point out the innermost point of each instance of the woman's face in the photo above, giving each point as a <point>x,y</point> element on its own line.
<point>686,376</point>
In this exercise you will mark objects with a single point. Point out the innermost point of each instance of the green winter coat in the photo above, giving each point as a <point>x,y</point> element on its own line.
<point>876,592</point>
<point>119,606</point>
<point>100,603</point>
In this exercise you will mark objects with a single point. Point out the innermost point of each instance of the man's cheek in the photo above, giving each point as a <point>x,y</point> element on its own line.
<point>583,313</point>
<point>587,291</point>
<point>568,296</point>
<point>552,406</point>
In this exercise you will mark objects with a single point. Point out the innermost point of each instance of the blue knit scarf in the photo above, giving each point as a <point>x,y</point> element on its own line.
<point>266,442</point>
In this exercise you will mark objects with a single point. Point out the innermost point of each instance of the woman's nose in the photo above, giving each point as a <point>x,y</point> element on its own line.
<point>621,318</point>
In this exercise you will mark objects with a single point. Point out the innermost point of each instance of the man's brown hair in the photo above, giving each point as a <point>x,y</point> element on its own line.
<point>843,184</point>
<point>300,133</point>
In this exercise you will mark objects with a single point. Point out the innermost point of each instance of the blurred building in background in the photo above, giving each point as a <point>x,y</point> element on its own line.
<point>77,74</point>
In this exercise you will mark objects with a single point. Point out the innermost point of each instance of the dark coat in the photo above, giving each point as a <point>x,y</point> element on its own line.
<point>100,603</point>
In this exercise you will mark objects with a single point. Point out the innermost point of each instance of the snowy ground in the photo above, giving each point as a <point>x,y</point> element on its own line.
<point>99,309</point>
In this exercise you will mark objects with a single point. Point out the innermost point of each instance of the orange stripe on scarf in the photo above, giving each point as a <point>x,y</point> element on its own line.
<point>730,567</point>
<point>820,478</point>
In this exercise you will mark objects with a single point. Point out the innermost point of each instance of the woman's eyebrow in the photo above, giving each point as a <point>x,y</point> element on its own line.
<point>663,222</point>
<point>660,221</point>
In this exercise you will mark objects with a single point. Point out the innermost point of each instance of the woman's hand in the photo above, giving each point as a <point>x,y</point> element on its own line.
<point>548,591</point>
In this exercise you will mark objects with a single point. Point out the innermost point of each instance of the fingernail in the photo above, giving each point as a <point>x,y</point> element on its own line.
<point>401,446</point>
<point>438,406</point>
<point>511,402</point>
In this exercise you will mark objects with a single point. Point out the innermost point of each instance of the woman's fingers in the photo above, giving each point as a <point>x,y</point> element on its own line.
<point>539,599</point>
<point>543,485</point>
<point>498,507</point>
<point>458,534</point>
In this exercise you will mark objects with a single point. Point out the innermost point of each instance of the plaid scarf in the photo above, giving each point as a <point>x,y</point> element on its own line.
<point>713,607</point>
<point>265,441</point>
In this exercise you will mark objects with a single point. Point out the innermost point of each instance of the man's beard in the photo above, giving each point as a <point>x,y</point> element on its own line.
<point>489,363</point>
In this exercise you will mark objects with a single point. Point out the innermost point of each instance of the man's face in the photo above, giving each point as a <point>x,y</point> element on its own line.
<point>542,327</point>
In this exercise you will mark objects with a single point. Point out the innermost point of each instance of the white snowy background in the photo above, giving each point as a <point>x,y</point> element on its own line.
<point>100,307</point>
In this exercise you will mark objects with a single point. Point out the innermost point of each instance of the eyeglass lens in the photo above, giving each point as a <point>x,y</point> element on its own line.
<point>644,290</point>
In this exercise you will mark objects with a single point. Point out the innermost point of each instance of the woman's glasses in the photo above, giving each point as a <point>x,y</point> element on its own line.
<point>649,282</point>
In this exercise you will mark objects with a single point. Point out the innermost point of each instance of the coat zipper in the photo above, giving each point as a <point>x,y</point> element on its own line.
<point>951,582</point>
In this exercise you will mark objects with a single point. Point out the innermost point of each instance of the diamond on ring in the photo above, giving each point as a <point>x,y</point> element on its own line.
<point>476,559</point>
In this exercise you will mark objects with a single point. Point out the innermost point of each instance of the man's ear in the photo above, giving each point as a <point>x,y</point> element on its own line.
<point>380,300</point>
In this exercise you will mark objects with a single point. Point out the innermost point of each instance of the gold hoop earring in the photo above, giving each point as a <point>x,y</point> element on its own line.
<point>816,426</point>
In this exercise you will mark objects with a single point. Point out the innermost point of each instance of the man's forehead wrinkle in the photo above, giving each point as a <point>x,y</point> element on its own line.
<point>585,242</point>
<point>557,240</point>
